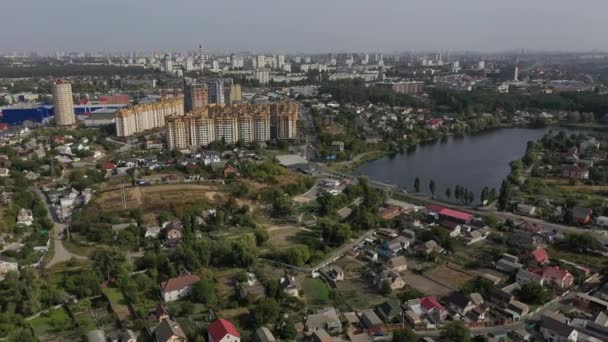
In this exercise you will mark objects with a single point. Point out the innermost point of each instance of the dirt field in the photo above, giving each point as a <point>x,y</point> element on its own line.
<point>425,285</point>
<point>450,277</point>
<point>158,196</point>
<point>282,235</point>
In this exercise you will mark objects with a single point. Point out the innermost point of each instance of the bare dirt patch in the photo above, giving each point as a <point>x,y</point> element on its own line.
<point>449,276</point>
<point>159,196</point>
<point>425,285</point>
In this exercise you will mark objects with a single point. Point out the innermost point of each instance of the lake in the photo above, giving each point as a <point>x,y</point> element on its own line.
<point>472,161</point>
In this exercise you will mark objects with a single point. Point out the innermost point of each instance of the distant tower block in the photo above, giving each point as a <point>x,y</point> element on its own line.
<point>64,104</point>
<point>516,73</point>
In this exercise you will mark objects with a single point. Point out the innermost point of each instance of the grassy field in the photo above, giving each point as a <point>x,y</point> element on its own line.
<point>594,261</point>
<point>55,322</point>
<point>315,291</point>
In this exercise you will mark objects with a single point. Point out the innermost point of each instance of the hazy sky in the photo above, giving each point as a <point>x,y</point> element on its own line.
<point>303,25</point>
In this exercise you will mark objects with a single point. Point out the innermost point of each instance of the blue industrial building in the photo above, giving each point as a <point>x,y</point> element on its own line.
<point>19,113</point>
<point>40,112</point>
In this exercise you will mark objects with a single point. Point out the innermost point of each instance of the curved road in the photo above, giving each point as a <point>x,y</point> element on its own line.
<point>60,253</point>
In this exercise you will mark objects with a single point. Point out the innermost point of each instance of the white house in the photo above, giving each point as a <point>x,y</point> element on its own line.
<point>178,287</point>
<point>25,217</point>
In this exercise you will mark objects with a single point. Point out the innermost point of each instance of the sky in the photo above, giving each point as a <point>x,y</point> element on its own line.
<point>284,26</point>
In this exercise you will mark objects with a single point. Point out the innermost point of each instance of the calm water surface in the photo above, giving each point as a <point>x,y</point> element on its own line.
<point>472,161</point>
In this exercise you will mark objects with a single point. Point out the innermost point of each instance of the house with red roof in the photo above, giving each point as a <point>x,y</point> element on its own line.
<point>539,257</point>
<point>557,277</point>
<point>108,166</point>
<point>178,287</point>
<point>455,216</point>
<point>432,308</point>
<point>223,331</point>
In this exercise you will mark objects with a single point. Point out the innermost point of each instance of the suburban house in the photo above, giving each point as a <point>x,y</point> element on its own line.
<point>508,263</point>
<point>524,277</point>
<point>336,273</point>
<point>554,327</point>
<point>369,319</point>
<point>392,277</point>
<point>169,331</point>
<point>525,241</point>
<point>452,227</point>
<point>539,257</point>
<point>389,311</point>
<point>263,334</point>
<point>432,309</point>
<point>326,319</point>
<point>25,217</point>
<point>173,234</point>
<point>500,297</point>
<point>581,215</point>
<point>590,303</point>
<point>560,278</point>
<point>178,287</point>
<point>460,303</point>
<point>7,265</point>
<point>574,172</point>
<point>222,330</point>
<point>289,285</point>
<point>397,264</point>
<point>430,247</point>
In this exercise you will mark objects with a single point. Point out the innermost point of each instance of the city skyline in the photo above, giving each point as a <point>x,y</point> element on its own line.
<point>278,27</point>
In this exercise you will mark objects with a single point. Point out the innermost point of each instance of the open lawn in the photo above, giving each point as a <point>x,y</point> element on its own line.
<point>315,291</point>
<point>118,302</point>
<point>55,322</point>
<point>282,235</point>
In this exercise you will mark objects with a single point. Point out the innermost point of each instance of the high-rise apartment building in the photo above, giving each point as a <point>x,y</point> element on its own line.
<point>215,89</point>
<point>234,93</point>
<point>284,120</point>
<point>195,96</point>
<point>260,62</point>
<point>408,88</point>
<point>262,76</point>
<point>142,117</point>
<point>64,104</point>
<point>232,123</point>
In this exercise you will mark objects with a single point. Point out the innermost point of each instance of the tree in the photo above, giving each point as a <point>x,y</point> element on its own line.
<point>417,184</point>
<point>404,335</point>
<point>534,293</point>
<point>108,263</point>
<point>385,287</point>
<point>204,292</point>
<point>432,187</point>
<point>480,338</point>
<point>457,331</point>
<point>281,206</point>
<point>448,193</point>
<point>505,195</point>
<point>261,236</point>
<point>265,311</point>
<point>288,331</point>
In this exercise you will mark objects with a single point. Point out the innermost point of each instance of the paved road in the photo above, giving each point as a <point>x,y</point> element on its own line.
<point>60,253</point>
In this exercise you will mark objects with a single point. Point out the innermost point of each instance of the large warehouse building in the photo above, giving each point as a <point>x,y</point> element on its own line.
<point>35,112</point>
